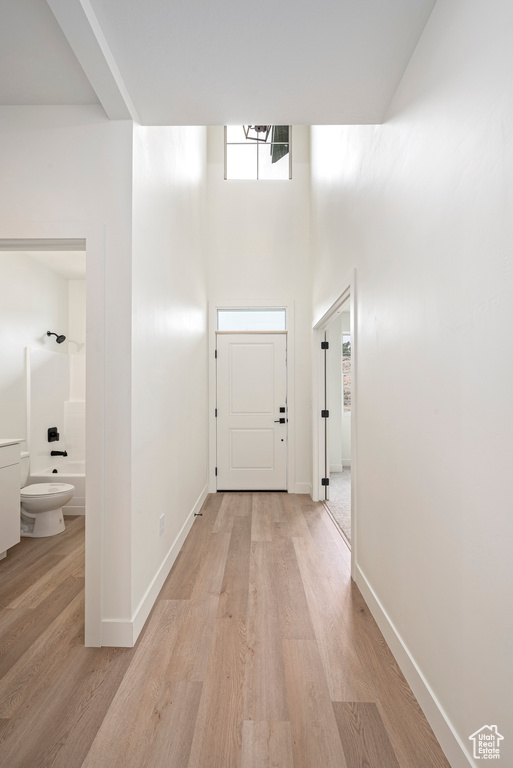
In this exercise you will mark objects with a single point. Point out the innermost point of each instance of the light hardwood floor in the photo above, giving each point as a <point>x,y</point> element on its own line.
<point>260,652</point>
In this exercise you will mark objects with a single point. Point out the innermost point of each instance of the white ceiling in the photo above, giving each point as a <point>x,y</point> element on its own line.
<point>37,64</point>
<point>208,62</point>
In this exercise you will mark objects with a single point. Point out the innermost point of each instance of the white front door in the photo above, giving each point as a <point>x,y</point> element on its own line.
<point>251,411</point>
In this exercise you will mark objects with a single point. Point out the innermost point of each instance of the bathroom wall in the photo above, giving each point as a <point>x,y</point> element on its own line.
<point>34,301</point>
<point>74,407</point>
<point>421,206</point>
<point>77,337</point>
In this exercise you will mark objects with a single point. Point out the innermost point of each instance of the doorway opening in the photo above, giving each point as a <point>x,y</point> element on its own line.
<point>338,425</point>
<point>334,400</point>
<point>65,250</point>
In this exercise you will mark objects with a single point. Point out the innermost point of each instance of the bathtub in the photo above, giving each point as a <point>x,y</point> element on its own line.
<point>67,472</point>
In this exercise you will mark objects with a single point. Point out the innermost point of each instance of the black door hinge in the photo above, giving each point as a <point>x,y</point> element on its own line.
<point>215,354</point>
<point>325,345</point>
<point>216,413</point>
<point>325,414</point>
<point>216,471</point>
<point>325,481</point>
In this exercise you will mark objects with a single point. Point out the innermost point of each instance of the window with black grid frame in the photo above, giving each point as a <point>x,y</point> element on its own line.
<point>259,153</point>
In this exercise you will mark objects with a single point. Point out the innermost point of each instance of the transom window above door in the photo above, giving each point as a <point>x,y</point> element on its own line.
<point>258,152</point>
<point>254,319</point>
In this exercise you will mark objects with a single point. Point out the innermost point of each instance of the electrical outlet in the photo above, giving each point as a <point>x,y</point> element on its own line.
<point>161,525</point>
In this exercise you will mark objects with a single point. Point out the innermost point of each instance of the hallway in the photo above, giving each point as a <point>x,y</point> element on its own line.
<point>259,652</point>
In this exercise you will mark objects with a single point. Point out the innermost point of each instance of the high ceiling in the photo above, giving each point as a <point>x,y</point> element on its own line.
<point>211,62</point>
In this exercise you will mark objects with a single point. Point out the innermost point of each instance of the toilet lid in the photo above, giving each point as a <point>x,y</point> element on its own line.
<point>44,489</point>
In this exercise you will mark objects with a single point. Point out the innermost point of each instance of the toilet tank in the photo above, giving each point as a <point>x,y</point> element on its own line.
<point>24,468</point>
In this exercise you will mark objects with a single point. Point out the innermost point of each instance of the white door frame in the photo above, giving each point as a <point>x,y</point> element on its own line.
<point>346,298</point>
<point>94,237</point>
<point>213,306</point>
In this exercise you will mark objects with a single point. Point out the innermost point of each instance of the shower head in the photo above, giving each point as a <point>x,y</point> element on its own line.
<point>58,339</point>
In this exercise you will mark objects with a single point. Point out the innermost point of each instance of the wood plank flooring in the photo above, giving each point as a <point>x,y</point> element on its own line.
<point>260,652</point>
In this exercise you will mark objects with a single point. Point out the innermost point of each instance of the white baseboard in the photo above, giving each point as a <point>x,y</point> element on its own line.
<point>303,488</point>
<point>124,634</point>
<point>73,510</point>
<point>336,468</point>
<point>117,633</point>
<point>454,748</point>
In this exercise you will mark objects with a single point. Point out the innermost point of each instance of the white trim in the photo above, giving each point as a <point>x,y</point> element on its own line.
<point>303,488</point>
<point>288,305</point>
<point>248,333</point>
<point>94,236</point>
<point>337,305</point>
<point>43,244</point>
<point>95,435</point>
<point>454,748</point>
<point>72,510</point>
<point>347,295</point>
<point>125,633</point>
<point>117,633</point>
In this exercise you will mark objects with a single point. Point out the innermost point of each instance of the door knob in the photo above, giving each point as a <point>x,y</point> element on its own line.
<point>279,421</point>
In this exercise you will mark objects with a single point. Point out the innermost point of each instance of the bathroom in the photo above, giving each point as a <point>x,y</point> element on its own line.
<point>42,381</point>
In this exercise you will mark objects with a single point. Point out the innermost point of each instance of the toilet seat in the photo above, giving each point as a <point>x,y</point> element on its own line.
<point>45,490</point>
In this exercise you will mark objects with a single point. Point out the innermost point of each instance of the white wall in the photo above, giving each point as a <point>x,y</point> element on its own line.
<point>37,299</point>
<point>258,248</point>
<point>422,207</point>
<point>74,408</point>
<point>70,169</point>
<point>34,301</point>
<point>77,337</point>
<point>169,349</point>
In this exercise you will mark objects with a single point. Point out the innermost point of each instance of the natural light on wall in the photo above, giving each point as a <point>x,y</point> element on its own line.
<point>258,159</point>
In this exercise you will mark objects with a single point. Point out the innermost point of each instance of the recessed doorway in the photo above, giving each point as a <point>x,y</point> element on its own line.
<point>338,425</point>
<point>80,239</point>
<point>334,402</point>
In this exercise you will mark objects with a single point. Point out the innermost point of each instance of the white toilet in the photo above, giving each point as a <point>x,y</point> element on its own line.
<point>41,504</point>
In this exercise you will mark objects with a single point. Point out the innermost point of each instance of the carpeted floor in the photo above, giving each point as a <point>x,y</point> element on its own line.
<point>339,505</point>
